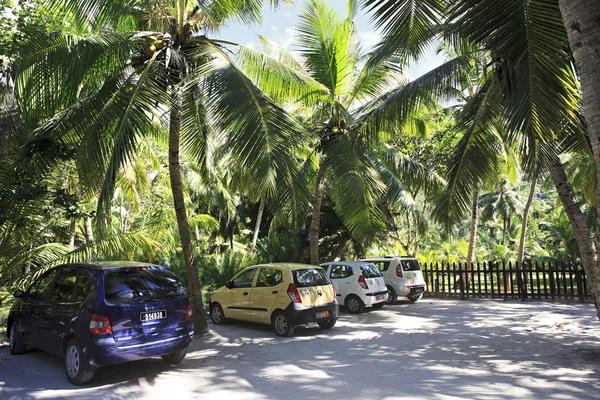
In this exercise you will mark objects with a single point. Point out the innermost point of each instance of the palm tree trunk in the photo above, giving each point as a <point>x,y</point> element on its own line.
<point>89,233</point>
<point>585,243</point>
<point>472,235</point>
<point>194,287</point>
<point>316,215</point>
<point>525,220</point>
<point>261,209</point>
<point>72,232</point>
<point>581,19</point>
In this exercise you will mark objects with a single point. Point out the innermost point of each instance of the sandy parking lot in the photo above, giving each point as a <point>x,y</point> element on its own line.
<point>435,349</point>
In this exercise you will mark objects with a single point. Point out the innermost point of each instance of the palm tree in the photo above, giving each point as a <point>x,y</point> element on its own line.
<point>129,64</point>
<point>531,84</point>
<point>333,89</point>
<point>581,22</point>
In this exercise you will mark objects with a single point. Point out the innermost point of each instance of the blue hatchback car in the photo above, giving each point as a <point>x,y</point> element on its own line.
<point>103,313</point>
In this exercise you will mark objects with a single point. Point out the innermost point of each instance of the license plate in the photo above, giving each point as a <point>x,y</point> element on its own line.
<point>381,297</point>
<point>418,290</point>
<point>322,314</point>
<point>153,315</point>
<point>410,276</point>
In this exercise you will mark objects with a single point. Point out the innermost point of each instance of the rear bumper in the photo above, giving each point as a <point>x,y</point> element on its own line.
<point>374,297</point>
<point>106,351</point>
<point>301,315</point>
<point>416,290</point>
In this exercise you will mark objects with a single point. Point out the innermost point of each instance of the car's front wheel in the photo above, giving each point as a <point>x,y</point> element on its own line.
<point>392,296</point>
<point>354,304</point>
<point>175,357</point>
<point>217,315</point>
<point>327,324</point>
<point>16,346</point>
<point>77,368</point>
<point>282,325</point>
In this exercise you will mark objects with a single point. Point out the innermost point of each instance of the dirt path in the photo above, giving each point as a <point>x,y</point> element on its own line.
<point>435,349</point>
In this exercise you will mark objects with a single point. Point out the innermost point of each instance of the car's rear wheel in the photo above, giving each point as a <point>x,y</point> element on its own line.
<point>392,296</point>
<point>354,304</point>
<point>327,324</point>
<point>175,357</point>
<point>414,299</point>
<point>282,324</point>
<point>378,305</point>
<point>16,346</point>
<point>217,315</point>
<point>77,368</point>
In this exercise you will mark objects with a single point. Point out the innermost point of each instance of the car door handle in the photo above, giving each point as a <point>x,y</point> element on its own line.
<point>274,292</point>
<point>245,293</point>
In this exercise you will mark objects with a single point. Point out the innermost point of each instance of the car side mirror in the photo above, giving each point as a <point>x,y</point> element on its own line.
<point>228,284</point>
<point>19,293</point>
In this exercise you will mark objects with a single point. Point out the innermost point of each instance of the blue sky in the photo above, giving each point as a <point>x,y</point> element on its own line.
<point>278,26</point>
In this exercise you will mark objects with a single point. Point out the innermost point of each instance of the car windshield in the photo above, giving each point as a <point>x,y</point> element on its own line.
<point>131,285</point>
<point>310,277</point>
<point>370,271</point>
<point>410,265</point>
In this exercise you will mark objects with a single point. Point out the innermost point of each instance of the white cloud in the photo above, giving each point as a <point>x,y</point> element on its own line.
<point>290,35</point>
<point>251,45</point>
<point>369,39</point>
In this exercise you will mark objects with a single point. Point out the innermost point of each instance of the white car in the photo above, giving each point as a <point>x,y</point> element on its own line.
<point>357,284</point>
<point>403,277</point>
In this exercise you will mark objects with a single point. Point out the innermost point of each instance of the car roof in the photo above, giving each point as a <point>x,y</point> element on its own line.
<point>348,263</point>
<point>105,265</point>
<point>284,265</point>
<point>383,258</point>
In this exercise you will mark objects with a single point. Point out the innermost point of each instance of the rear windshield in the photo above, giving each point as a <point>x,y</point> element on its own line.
<point>310,277</point>
<point>410,265</point>
<point>370,271</point>
<point>132,285</point>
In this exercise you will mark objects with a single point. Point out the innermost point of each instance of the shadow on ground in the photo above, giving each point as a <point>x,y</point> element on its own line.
<point>435,349</point>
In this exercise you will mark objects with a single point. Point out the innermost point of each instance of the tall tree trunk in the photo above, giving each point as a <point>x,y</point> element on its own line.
<point>582,21</point>
<point>316,214</point>
<point>194,286</point>
<point>72,232</point>
<point>261,209</point>
<point>472,235</point>
<point>89,233</point>
<point>521,253</point>
<point>585,243</point>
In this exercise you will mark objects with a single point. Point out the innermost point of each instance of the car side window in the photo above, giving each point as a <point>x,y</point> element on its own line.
<point>268,277</point>
<point>41,289</point>
<point>244,280</point>
<point>83,287</point>
<point>340,272</point>
<point>382,265</point>
<point>64,288</point>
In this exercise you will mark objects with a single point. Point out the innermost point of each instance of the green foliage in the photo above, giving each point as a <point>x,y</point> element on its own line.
<point>282,247</point>
<point>216,269</point>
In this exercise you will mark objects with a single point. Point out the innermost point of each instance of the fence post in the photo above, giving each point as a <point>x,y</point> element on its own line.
<point>551,280</point>
<point>504,281</point>
<point>579,285</point>
<point>437,279</point>
<point>462,281</point>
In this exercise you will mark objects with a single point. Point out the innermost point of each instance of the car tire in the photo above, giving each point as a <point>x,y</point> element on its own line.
<point>392,296</point>
<point>378,305</point>
<point>16,345</point>
<point>282,325</point>
<point>175,358</point>
<point>217,315</point>
<point>354,304</point>
<point>325,325</point>
<point>414,299</point>
<point>78,370</point>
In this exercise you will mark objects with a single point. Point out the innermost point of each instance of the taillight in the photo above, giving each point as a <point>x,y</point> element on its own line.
<point>100,325</point>
<point>363,282</point>
<point>399,271</point>
<point>188,313</point>
<point>293,294</point>
<point>334,293</point>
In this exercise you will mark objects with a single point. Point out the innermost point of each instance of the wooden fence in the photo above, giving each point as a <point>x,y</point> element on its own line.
<point>532,280</point>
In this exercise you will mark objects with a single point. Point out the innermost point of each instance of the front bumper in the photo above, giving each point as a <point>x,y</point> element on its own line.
<point>300,315</point>
<point>106,351</point>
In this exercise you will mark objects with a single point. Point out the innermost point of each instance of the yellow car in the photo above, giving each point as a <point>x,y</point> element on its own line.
<point>284,295</point>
